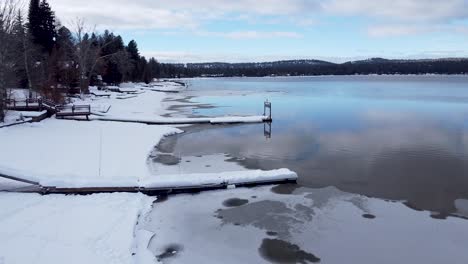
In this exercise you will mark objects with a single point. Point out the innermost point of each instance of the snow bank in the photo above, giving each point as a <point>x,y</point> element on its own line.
<point>101,151</point>
<point>170,181</point>
<point>69,229</point>
<point>14,118</point>
<point>32,114</point>
<point>127,85</point>
<point>135,106</point>
<point>214,179</point>
<point>167,181</point>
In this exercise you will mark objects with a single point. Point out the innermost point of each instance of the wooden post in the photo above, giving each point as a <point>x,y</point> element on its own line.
<point>267,105</point>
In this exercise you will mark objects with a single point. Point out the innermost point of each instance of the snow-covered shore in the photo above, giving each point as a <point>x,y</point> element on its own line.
<point>97,154</point>
<point>90,229</point>
<point>97,228</point>
<point>96,151</point>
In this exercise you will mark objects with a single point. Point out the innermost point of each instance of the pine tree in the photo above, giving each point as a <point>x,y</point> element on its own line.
<point>134,55</point>
<point>115,66</point>
<point>132,49</point>
<point>23,51</point>
<point>42,24</point>
<point>48,25</point>
<point>67,74</point>
<point>34,24</point>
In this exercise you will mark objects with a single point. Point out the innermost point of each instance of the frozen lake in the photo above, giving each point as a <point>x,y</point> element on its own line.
<point>393,150</point>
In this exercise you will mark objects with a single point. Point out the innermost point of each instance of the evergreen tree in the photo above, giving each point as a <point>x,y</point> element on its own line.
<point>115,65</point>
<point>145,73</point>
<point>48,25</point>
<point>42,24</point>
<point>34,24</point>
<point>21,48</point>
<point>132,49</point>
<point>134,55</point>
<point>67,74</point>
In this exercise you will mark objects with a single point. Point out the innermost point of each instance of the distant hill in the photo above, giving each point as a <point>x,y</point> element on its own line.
<point>318,67</point>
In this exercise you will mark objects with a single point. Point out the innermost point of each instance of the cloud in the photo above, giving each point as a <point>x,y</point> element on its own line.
<point>392,17</point>
<point>158,14</point>
<point>401,10</point>
<point>108,14</point>
<point>399,30</point>
<point>402,17</point>
<point>251,34</point>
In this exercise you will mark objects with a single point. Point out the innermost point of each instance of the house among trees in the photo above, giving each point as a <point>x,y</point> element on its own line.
<point>37,52</point>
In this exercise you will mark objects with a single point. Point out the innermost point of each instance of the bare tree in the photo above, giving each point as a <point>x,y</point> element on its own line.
<point>25,48</point>
<point>7,18</point>
<point>87,52</point>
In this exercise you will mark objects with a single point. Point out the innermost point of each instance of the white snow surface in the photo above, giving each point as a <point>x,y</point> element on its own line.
<point>13,117</point>
<point>53,229</point>
<point>85,151</point>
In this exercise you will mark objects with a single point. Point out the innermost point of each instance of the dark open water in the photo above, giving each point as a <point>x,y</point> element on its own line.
<point>390,137</point>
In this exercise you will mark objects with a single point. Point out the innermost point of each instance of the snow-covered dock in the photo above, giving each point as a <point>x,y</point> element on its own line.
<point>183,121</point>
<point>160,183</point>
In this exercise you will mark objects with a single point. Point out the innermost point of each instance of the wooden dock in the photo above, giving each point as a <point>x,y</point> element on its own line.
<point>155,191</point>
<point>265,118</point>
<point>40,104</point>
<point>30,104</point>
<point>161,188</point>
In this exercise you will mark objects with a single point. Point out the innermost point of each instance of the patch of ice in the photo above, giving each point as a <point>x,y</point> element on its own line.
<point>323,224</point>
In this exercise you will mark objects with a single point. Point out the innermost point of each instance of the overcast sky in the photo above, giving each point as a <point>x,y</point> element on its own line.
<point>264,30</point>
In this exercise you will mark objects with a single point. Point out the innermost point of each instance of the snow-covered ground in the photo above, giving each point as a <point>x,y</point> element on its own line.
<point>97,151</point>
<point>103,154</point>
<point>70,229</point>
<point>300,226</point>
<point>14,117</point>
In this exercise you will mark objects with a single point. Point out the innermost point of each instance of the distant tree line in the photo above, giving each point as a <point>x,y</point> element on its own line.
<point>39,53</point>
<point>316,67</point>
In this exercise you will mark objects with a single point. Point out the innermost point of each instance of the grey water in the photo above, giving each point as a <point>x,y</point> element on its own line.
<point>390,137</point>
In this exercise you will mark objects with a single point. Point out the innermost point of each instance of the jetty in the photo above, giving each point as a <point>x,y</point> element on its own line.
<point>177,183</point>
<point>265,118</point>
<point>40,104</point>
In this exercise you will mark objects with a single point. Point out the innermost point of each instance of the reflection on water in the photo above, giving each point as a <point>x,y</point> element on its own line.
<point>398,138</point>
<point>290,224</point>
<point>267,130</point>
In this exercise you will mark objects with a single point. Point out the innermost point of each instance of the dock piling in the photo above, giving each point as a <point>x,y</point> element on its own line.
<point>267,105</point>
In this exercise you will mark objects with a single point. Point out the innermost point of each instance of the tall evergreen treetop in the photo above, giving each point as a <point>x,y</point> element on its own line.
<point>132,49</point>
<point>42,24</point>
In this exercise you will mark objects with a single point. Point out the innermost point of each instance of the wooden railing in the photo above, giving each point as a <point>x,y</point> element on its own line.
<point>27,103</point>
<point>44,103</point>
<point>73,110</point>
<point>48,102</point>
